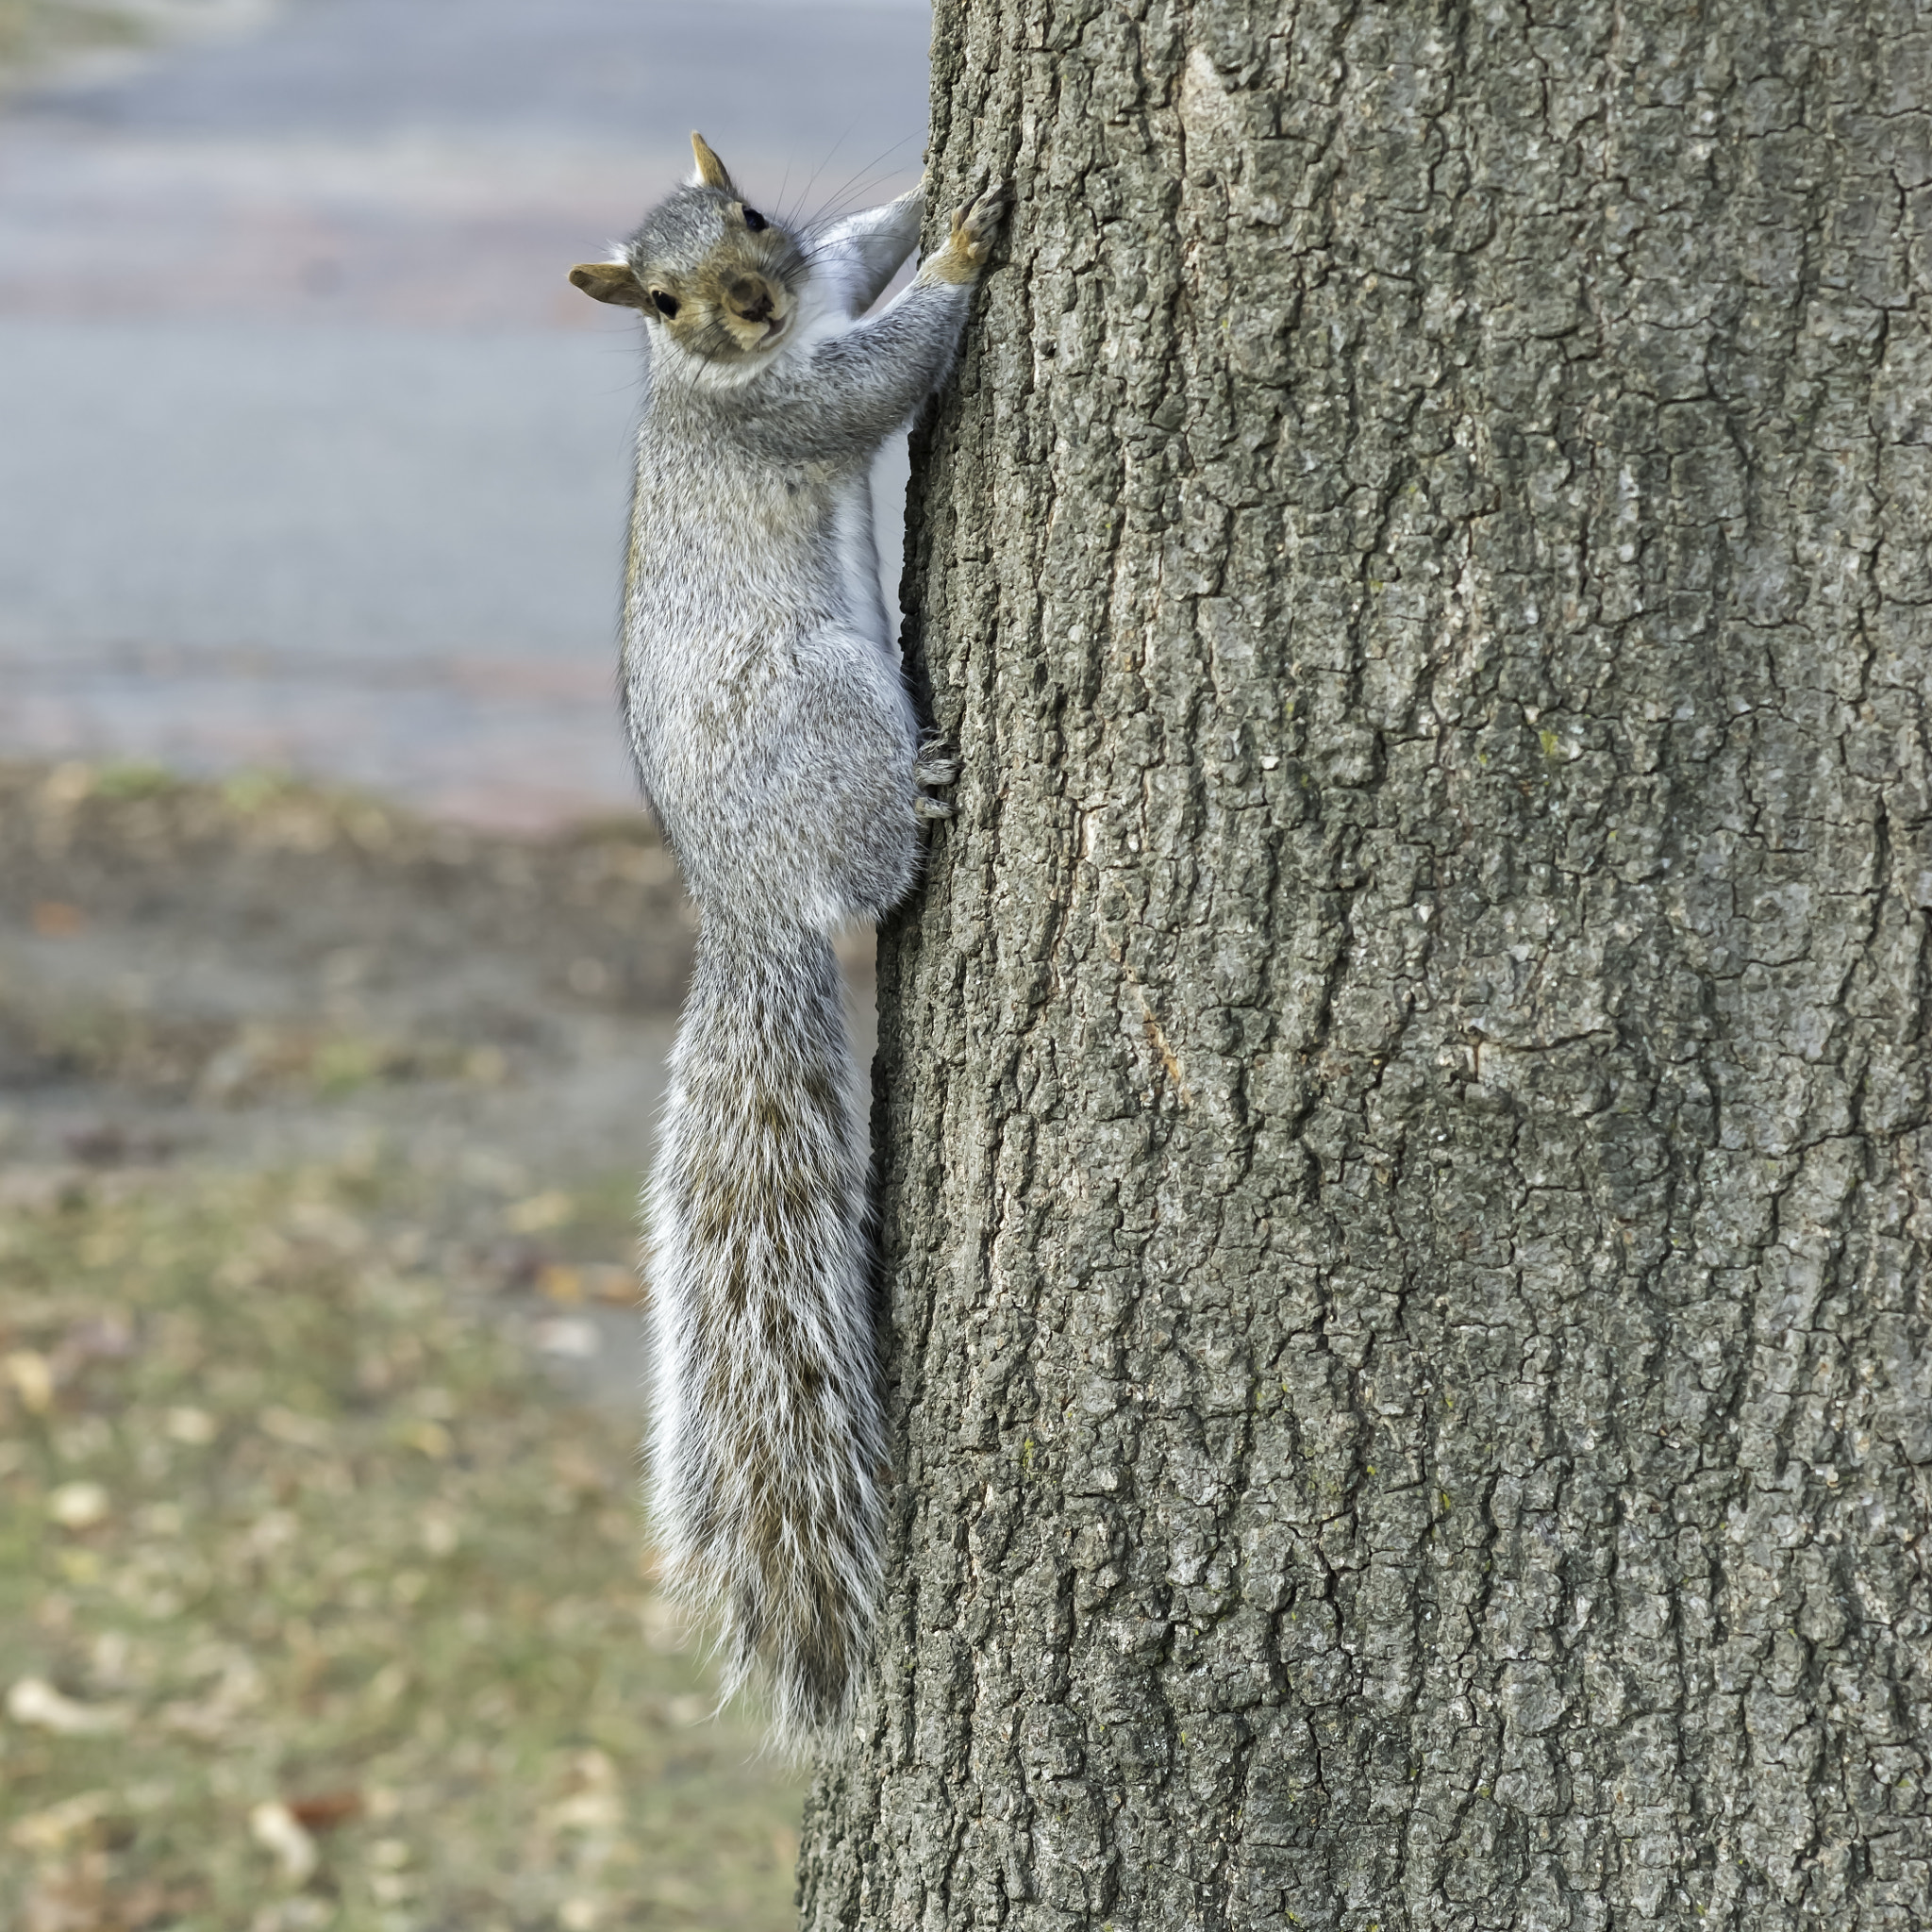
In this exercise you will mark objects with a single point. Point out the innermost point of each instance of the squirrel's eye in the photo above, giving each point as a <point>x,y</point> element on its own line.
<point>665,305</point>
<point>755,221</point>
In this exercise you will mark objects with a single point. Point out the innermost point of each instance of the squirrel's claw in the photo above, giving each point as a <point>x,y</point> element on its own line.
<point>936,765</point>
<point>975,226</point>
<point>971,229</point>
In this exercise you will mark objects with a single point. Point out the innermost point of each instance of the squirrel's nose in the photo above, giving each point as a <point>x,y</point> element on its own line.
<point>750,299</point>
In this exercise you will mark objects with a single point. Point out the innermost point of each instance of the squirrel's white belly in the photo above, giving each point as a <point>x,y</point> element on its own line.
<point>859,557</point>
<point>790,783</point>
<point>772,730</point>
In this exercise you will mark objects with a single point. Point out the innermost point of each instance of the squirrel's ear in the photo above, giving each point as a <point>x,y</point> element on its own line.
<point>712,171</point>
<point>609,281</point>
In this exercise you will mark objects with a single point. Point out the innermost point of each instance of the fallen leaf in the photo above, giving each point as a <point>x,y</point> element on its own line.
<point>34,1701</point>
<point>388,1683</point>
<point>596,1281</point>
<point>614,1286</point>
<point>32,1376</point>
<point>441,1532</point>
<point>304,1431</point>
<point>273,1529</point>
<point>567,1336</point>
<point>551,1209</point>
<point>586,1811</point>
<point>78,1505</point>
<point>276,1829</point>
<point>592,1770</point>
<point>325,1810</point>
<point>48,1830</point>
<point>432,1439</point>
<point>560,1283</point>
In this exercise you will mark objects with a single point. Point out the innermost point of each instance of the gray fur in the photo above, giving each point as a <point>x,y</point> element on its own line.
<point>778,750</point>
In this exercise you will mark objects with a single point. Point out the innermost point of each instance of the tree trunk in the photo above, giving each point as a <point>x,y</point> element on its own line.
<point>1404,1122</point>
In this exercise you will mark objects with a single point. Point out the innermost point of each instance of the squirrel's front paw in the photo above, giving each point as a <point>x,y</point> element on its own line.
<point>975,227</point>
<point>971,240</point>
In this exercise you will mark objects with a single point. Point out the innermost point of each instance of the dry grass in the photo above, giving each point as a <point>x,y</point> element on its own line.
<point>319,1608</point>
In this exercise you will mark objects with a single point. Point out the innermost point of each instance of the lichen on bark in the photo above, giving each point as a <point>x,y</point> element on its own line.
<point>1404,1123</point>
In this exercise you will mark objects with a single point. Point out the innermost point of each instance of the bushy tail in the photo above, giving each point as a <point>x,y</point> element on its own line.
<point>767,1453</point>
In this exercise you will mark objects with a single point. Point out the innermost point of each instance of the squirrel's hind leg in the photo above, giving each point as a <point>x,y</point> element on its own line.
<point>936,769</point>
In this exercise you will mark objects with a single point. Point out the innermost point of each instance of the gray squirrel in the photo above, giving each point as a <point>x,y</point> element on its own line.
<point>781,755</point>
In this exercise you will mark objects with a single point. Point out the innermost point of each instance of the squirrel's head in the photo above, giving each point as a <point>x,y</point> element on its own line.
<point>707,269</point>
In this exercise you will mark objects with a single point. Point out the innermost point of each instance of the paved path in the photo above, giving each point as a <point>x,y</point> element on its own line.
<point>312,456</point>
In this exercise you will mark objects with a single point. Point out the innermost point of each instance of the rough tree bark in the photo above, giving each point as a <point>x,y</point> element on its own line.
<point>1404,1105</point>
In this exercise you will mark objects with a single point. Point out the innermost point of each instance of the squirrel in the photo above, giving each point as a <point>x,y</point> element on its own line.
<point>781,755</point>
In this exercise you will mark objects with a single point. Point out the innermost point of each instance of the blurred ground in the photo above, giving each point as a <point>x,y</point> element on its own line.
<point>259,971</point>
<point>314,1612</point>
<point>319,1361</point>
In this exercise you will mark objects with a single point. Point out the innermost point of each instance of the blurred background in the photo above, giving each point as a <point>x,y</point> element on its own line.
<point>336,965</point>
